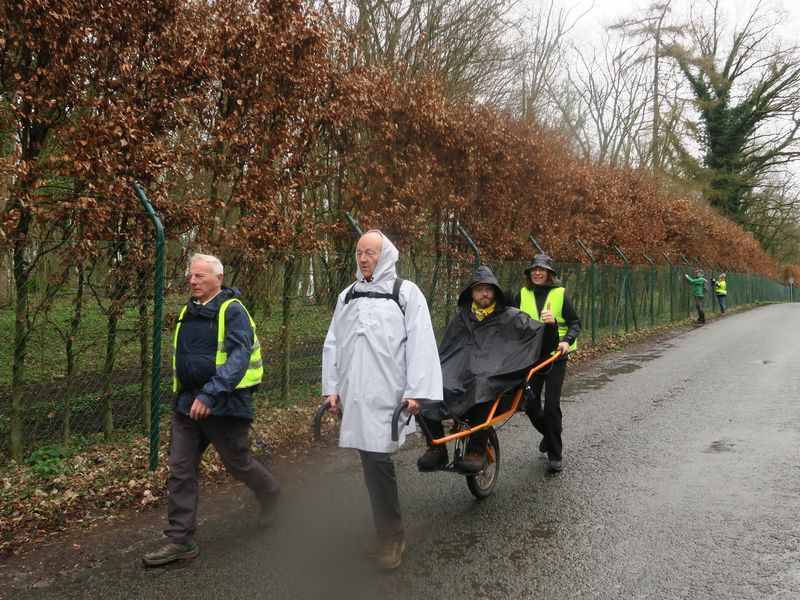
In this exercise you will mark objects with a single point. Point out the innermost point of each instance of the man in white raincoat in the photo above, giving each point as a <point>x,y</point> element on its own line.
<point>380,350</point>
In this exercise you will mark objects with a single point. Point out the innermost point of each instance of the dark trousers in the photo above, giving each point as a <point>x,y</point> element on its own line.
<point>721,300</point>
<point>548,421</point>
<point>230,436</point>
<point>379,475</point>
<point>698,304</point>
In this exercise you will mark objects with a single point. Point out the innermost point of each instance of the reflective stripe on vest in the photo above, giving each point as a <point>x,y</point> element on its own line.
<point>255,370</point>
<point>555,299</point>
<point>721,289</point>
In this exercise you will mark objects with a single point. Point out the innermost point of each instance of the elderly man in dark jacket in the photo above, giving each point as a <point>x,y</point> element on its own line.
<point>487,350</point>
<point>217,363</point>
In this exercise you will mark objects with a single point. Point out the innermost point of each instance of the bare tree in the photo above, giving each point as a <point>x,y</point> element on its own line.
<point>648,32</point>
<point>543,53</point>
<point>466,41</point>
<point>774,218</point>
<point>610,120</point>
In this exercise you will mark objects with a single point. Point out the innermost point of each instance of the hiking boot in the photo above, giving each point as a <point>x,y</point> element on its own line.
<point>266,512</point>
<point>391,554</point>
<point>543,446</point>
<point>473,462</point>
<point>170,552</point>
<point>435,457</point>
<point>555,466</point>
<point>374,547</point>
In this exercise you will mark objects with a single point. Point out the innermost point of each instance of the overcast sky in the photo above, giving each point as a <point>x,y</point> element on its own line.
<point>603,12</point>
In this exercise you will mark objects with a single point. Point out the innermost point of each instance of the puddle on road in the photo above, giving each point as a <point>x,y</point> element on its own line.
<point>452,547</point>
<point>584,384</point>
<point>721,446</point>
<point>581,384</point>
<point>537,533</point>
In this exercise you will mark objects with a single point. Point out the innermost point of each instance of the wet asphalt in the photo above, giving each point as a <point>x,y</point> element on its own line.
<point>681,480</point>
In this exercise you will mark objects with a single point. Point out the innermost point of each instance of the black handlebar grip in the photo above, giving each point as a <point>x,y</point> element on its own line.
<point>396,418</point>
<point>323,408</point>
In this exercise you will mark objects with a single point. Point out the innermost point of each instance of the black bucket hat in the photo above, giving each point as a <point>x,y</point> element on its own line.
<point>541,260</point>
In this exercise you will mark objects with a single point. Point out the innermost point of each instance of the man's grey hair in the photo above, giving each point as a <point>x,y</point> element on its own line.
<point>216,265</point>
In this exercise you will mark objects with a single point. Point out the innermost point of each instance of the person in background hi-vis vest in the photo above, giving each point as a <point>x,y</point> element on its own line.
<point>721,290</point>
<point>543,298</point>
<point>216,365</point>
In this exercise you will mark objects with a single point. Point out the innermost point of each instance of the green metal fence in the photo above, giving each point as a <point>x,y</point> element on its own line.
<point>85,365</point>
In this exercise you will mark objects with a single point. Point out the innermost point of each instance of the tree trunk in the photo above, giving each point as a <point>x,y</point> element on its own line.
<point>286,350</point>
<point>108,371</point>
<point>21,331</point>
<point>71,353</point>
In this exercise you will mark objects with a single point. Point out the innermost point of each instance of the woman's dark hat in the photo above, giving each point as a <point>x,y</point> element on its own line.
<point>541,260</point>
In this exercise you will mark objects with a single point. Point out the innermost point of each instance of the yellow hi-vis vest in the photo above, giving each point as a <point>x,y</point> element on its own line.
<point>555,299</point>
<point>255,371</point>
<point>721,288</point>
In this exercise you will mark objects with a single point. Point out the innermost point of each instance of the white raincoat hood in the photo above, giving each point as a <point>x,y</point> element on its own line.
<point>375,355</point>
<point>385,268</point>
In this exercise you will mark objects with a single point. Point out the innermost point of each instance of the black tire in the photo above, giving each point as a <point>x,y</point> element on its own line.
<point>482,486</point>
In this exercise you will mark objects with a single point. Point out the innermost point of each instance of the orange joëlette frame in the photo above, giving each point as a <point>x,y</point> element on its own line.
<point>491,419</point>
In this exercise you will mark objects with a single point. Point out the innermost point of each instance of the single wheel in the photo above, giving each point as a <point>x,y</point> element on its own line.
<point>482,485</point>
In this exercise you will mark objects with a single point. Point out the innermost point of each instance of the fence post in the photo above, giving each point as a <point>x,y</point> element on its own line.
<point>158,309</point>
<point>626,287</point>
<point>688,299</point>
<point>591,288</point>
<point>671,288</point>
<point>536,245</point>
<point>472,245</point>
<point>353,223</point>
<point>652,288</point>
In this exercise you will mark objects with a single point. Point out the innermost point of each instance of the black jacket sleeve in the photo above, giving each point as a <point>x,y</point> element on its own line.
<point>572,320</point>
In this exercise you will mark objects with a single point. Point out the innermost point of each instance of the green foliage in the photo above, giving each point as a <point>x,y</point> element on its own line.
<point>48,461</point>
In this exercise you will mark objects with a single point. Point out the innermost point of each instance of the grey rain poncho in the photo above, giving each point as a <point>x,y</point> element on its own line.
<point>374,356</point>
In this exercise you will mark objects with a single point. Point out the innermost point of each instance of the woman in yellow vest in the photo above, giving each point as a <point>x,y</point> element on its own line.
<point>721,290</point>
<point>544,299</point>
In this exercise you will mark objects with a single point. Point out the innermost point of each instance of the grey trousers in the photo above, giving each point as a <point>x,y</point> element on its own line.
<point>379,475</point>
<point>699,302</point>
<point>230,436</point>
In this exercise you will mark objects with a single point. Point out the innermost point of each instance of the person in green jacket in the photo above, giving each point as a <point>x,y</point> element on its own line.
<point>698,284</point>
<point>721,290</point>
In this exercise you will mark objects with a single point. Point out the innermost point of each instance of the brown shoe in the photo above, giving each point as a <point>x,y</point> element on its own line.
<point>170,553</point>
<point>374,547</point>
<point>435,457</point>
<point>392,554</point>
<point>266,512</point>
<point>473,462</point>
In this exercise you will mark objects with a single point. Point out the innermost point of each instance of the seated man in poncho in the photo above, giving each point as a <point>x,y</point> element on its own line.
<point>487,349</point>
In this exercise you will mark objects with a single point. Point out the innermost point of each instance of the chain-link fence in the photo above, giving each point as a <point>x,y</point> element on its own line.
<point>76,331</point>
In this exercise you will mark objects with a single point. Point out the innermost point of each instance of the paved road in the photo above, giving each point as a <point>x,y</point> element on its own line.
<point>681,481</point>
